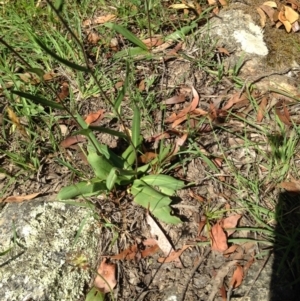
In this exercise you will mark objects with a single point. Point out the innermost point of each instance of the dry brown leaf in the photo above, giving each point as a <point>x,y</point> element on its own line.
<point>223,50</point>
<point>179,142</point>
<point>163,47</point>
<point>182,6</point>
<point>269,11</point>
<point>200,112</point>
<point>175,99</point>
<point>16,121</point>
<point>19,198</point>
<point>107,279</point>
<point>278,24</point>
<point>237,277</point>
<point>294,4</point>
<point>199,198</point>
<point>192,106</point>
<point>93,117</point>
<point>158,137</point>
<point>173,256</point>
<point>182,115</point>
<point>291,15</point>
<point>134,252</point>
<point>150,251</point>
<point>119,84</point>
<point>283,20</point>
<point>216,10</point>
<point>178,121</point>
<point>238,254</point>
<point>230,250</point>
<point>99,20</point>
<point>263,17</point>
<point>162,240</point>
<point>93,37</point>
<point>29,78</point>
<point>230,222</point>
<point>218,238</point>
<point>223,2</point>
<point>270,3</point>
<point>248,265</point>
<point>171,118</point>
<point>50,75</point>
<point>142,85</point>
<point>212,2</point>
<point>72,140</point>
<point>198,8</point>
<point>64,92</point>
<point>201,225</point>
<point>153,42</point>
<point>223,292</point>
<point>234,99</point>
<point>262,109</point>
<point>293,186</point>
<point>147,157</point>
<point>128,254</point>
<point>283,114</point>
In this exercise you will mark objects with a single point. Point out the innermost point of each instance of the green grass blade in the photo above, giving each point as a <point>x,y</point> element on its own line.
<point>136,127</point>
<point>39,100</point>
<point>122,93</point>
<point>163,181</point>
<point>127,34</point>
<point>60,59</point>
<point>82,188</point>
<point>150,198</point>
<point>181,33</point>
<point>132,52</point>
<point>108,131</point>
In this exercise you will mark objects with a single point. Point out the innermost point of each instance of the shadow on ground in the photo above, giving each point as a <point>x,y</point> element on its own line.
<point>285,282</point>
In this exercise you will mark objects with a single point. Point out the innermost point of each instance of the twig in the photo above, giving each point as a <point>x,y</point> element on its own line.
<point>193,271</point>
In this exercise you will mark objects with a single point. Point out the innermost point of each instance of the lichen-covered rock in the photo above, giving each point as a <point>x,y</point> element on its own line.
<point>235,30</point>
<point>42,238</point>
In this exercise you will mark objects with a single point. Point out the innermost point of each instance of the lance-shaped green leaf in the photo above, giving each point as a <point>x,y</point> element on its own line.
<point>157,202</point>
<point>181,33</point>
<point>112,178</point>
<point>129,156</point>
<point>60,59</point>
<point>166,184</point>
<point>39,100</point>
<point>82,188</point>
<point>127,34</point>
<point>95,295</point>
<point>100,165</point>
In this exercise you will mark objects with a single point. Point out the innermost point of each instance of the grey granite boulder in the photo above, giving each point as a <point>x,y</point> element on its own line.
<point>42,239</point>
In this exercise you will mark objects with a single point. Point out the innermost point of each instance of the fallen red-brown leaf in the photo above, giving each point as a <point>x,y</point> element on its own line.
<point>106,280</point>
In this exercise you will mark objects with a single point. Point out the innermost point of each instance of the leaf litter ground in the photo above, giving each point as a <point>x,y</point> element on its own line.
<point>236,146</point>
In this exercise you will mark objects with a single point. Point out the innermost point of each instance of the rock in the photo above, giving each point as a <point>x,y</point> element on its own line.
<point>235,30</point>
<point>42,237</point>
